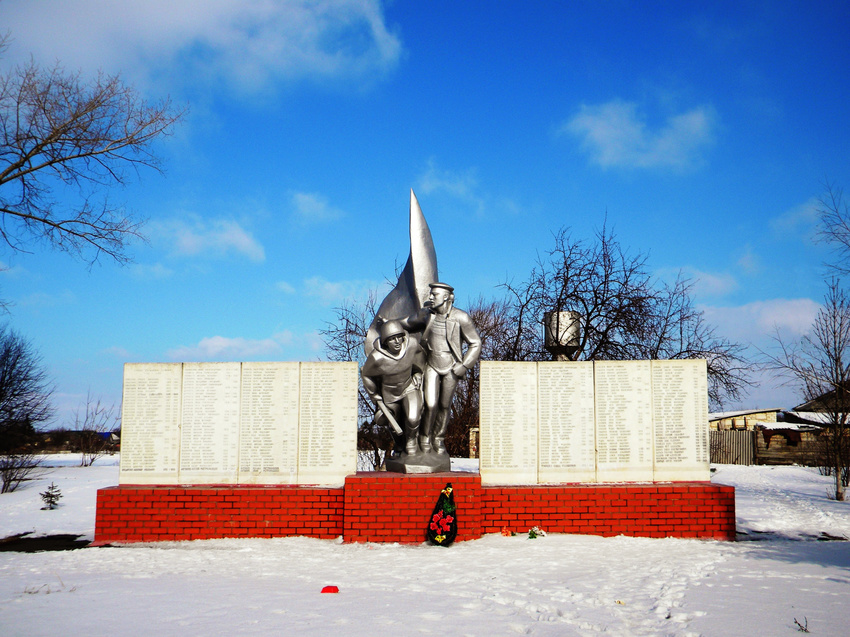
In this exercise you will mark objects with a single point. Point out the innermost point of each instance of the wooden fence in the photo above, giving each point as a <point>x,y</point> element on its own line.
<point>732,447</point>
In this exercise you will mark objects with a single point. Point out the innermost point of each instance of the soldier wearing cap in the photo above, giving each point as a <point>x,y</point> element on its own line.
<point>445,329</point>
<point>392,376</point>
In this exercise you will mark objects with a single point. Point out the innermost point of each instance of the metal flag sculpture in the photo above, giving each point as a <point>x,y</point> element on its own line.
<point>411,292</point>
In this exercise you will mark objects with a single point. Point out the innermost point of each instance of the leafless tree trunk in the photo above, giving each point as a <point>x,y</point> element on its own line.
<point>94,422</point>
<point>61,134</point>
<point>819,365</point>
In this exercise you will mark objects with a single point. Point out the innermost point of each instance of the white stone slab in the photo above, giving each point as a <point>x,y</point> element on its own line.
<point>150,423</point>
<point>327,423</point>
<point>268,435</point>
<point>566,444</point>
<point>623,402</point>
<point>680,417</point>
<point>209,440</point>
<point>508,417</point>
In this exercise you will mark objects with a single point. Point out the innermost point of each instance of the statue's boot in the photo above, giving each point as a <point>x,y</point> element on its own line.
<point>398,443</point>
<point>412,446</point>
<point>425,430</point>
<point>440,427</point>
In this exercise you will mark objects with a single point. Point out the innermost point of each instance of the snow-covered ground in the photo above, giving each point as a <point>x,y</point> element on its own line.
<point>556,585</point>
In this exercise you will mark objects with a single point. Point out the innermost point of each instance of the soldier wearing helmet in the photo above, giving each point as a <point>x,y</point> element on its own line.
<point>392,376</point>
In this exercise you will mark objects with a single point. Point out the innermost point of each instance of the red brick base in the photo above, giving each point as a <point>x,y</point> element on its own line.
<point>393,507</point>
<point>150,514</point>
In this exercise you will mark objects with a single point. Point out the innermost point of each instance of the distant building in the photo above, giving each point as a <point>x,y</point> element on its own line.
<point>747,419</point>
<point>765,436</point>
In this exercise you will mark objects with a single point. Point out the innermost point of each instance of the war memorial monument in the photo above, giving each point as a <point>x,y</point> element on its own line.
<point>269,449</point>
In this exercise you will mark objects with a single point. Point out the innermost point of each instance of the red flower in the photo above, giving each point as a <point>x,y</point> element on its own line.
<point>449,518</point>
<point>434,526</point>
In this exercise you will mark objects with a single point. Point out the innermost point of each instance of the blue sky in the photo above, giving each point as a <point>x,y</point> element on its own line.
<point>705,132</point>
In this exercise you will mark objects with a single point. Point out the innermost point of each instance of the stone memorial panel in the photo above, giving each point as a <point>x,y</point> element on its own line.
<point>680,416</point>
<point>209,440</point>
<point>623,405</point>
<point>327,422</point>
<point>508,416</point>
<point>268,435</point>
<point>150,423</point>
<point>566,445</point>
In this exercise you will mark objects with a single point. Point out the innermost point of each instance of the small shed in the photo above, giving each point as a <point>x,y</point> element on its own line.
<point>765,436</point>
<point>741,420</point>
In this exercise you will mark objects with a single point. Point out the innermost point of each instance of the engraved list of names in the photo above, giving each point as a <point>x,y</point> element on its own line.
<point>566,445</point>
<point>328,422</point>
<point>210,432</point>
<point>508,418</point>
<point>268,438</point>
<point>150,423</point>
<point>680,414</point>
<point>623,401</point>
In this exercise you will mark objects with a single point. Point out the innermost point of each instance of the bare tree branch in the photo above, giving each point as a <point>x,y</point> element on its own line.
<point>64,142</point>
<point>834,213</point>
<point>94,421</point>
<point>625,313</point>
<point>819,365</point>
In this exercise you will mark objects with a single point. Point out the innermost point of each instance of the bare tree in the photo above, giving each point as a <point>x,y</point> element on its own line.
<point>626,314</point>
<point>16,468</point>
<point>834,212</point>
<point>24,403</point>
<point>94,423</point>
<point>819,365</point>
<point>25,391</point>
<point>491,318</point>
<point>64,141</point>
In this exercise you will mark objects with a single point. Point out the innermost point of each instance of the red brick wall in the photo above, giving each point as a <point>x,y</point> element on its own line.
<point>392,507</point>
<point>396,507</point>
<point>148,514</point>
<point>697,509</point>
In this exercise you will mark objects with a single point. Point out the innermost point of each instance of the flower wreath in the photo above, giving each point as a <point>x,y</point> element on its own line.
<point>442,527</point>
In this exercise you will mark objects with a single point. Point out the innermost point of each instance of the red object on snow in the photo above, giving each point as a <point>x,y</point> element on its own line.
<point>330,589</point>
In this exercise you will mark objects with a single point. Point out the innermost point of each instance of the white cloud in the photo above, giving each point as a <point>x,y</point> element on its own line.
<point>218,237</point>
<point>707,284</point>
<point>462,186</point>
<point>150,271</point>
<point>118,352</point>
<point>749,262</point>
<point>335,292</point>
<point>12,271</point>
<point>704,284</point>
<point>218,348</point>
<point>314,342</point>
<point>617,134</point>
<point>247,43</point>
<point>285,287</point>
<point>313,208</point>
<point>756,322</point>
<point>800,220</point>
<point>43,300</point>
